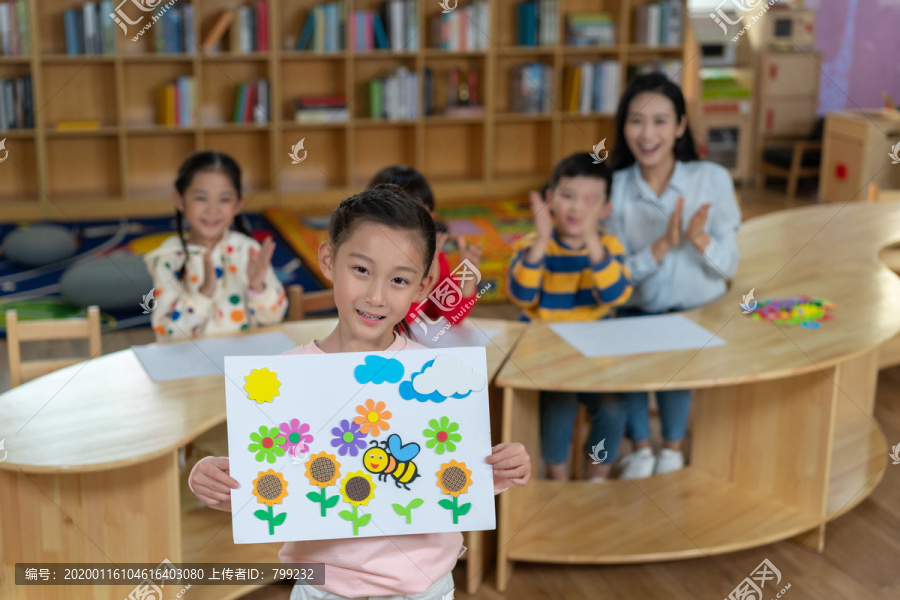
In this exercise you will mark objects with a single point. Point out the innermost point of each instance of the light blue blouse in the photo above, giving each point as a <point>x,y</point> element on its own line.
<point>685,278</point>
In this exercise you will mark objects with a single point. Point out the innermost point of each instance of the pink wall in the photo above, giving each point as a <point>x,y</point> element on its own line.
<point>860,45</point>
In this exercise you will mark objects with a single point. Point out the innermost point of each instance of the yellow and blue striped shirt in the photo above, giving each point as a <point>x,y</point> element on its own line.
<point>564,286</point>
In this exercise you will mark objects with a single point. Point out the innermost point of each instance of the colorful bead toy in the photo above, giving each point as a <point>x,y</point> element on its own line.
<point>799,310</point>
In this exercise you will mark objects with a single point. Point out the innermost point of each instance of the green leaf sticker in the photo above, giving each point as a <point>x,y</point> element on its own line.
<point>364,520</point>
<point>464,508</point>
<point>279,519</point>
<point>261,514</point>
<point>313,496</point>
<point>399,509</point>
<point>446,504</point>
<point>332,501</point>
<point>346,515</point>
<point>416,503</point>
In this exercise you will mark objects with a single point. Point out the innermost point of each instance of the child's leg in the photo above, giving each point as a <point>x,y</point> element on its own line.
<point>674,408</point>
<point>442,589</point>
<point>638,420</point>
<point>608,414</point>
<point>558,412</point>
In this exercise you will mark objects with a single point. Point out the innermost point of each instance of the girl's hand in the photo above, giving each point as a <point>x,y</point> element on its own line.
<point>671,239</point>
<point>696,230</point>
<point>258,264</point>
<point>209,275</point>
<point>211,482</point>
<point>543,220</point>
<point>511,465</point>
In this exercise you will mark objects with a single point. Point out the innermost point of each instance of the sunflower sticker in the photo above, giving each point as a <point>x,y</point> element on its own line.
<point>323,469</point>
<point>357,489</point>
<point>270,488</point>
<point>454,479</point>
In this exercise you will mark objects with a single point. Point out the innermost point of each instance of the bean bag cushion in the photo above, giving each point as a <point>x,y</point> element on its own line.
<point>115,282</point>
<point>39,245</point>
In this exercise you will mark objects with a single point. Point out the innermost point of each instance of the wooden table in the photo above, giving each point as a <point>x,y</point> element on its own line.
<point>92,470</point>
<point>783,438</point>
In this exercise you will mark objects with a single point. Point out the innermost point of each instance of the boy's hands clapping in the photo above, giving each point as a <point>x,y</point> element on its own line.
<point>472,253</point>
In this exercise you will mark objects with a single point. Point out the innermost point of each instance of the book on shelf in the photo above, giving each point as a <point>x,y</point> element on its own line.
<point>537,23</point>
<point>89,30</point>
<point>16,103</point>
<point>530,88</point>
<point>320,109</point>
<point>400,18</point>
<point>247,28</point>
<point>659,23</point>
<point>462,29</point>
<point>15,33</point>
<point>177,102</point>
<point>367,31</point>
<point>671,68</point>
<point>590,29</point>
<point>591,87</point>
<point>251,103</point>
<point>324,28</point>
<point>174,29</point>
<point>395,97</point>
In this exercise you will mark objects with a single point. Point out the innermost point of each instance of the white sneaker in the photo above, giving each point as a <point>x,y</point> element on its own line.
<point>638,465</point>
<point>669,460</point>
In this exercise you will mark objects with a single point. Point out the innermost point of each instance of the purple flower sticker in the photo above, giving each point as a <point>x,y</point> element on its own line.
<point>348,437</point>
<point>297,437</point>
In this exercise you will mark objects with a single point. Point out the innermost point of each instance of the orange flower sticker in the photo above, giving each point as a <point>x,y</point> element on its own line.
<point>373,418</point>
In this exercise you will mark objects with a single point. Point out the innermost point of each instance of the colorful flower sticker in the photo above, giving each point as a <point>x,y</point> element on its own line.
<point>270,488</point>
<point>296,437</point>
<point>442,435</point>
<point>454,479</point>
<point>357,489</point>
<point>348,438</point>
<point>323,469</point>
<point>262,385</point>
<point>267,444</point>
<point>373,418</point>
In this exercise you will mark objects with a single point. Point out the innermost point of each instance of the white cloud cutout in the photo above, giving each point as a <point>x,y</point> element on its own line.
<point>447,376</point>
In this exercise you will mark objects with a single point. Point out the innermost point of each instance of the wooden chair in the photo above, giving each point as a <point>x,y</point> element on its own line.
<point>51,329</point>
<point>792,158</point>
<point>301,303</point>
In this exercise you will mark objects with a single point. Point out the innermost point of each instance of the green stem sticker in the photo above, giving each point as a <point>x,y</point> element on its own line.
<point>355,519</point>
<point>407,510</point>
<point>458,510</point>
<point>273,519</point>
<point>324,500</point>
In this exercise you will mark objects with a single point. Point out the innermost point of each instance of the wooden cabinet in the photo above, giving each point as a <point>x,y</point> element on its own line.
<point>856,152</point>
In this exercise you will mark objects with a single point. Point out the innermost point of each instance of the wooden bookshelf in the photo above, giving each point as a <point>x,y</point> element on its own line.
<point>126,167</point>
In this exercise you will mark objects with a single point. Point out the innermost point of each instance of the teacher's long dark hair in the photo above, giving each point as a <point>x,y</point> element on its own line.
<point>651,82</point>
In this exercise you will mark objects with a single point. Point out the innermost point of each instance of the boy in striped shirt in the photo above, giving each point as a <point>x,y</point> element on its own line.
<point>569,270</point>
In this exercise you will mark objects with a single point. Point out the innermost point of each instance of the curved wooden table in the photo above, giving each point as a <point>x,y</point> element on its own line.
<point>783,438</point>
<point>92,472</point>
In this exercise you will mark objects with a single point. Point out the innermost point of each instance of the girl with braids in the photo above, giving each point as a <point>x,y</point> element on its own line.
<point>378,256</point>
<point>212,279</point>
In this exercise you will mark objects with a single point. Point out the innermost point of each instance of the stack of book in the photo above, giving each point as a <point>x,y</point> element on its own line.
<point>530,88</point>
<point>462,93</point>
<point>462,29</point>
<point>671,68</point>
<point>367,31</point>
<point>537,22</point>
<point>174,31</point>
<point>249,27</point>
<point>177,102</point>
<point>324,28</point>
<point>16,107</point>
<point>659,23</point>
<point>401,19</point>
<point>251,103</point>
<point>592,87</point>
<point>395,97</point>
<point>89,30</point>
<point>320,109</point>
<point>15,33</point>
<point>590,29</point>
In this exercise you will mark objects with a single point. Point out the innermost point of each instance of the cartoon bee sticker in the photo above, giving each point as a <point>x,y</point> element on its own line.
<point>394,459</point>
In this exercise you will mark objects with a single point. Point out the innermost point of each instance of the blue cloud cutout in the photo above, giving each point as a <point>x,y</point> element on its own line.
<point>379,370</point>
<point>408,392</point>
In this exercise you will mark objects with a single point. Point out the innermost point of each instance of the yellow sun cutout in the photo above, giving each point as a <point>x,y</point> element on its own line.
<point>262,385</point>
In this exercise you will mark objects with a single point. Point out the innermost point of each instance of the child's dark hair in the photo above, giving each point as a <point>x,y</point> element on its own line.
<point>206,161</point>
<point>390,206</point>
<point>409,180</point>
<point>580,164</point>
<point>658,83</point>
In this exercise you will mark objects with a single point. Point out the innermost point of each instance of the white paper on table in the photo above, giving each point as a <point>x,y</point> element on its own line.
<point>458,336</point>
<point>204,357</point>
<point>321,391</point>
<point>636,335</point>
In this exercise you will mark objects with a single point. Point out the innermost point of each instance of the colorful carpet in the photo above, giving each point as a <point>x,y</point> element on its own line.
<point>35,293</point>
<point>497,224</point>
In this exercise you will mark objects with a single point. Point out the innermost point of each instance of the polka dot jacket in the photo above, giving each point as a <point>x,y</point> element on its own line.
<point>182,312</point>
